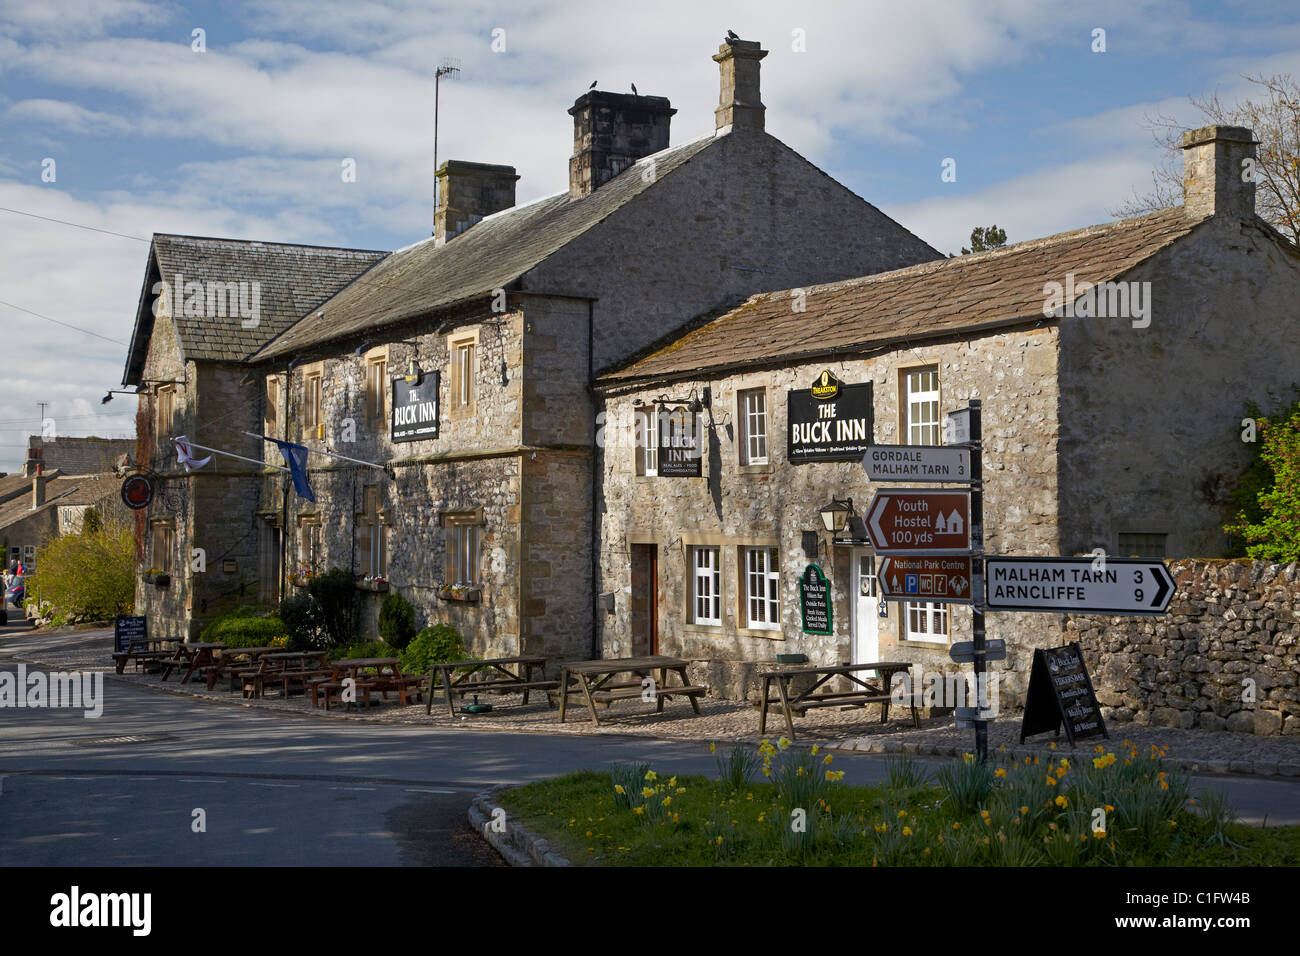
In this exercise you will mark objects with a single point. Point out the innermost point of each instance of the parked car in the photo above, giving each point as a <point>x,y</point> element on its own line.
<point>16,592</point>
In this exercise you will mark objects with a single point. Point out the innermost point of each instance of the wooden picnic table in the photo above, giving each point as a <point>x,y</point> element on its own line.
<point>145,653</point>
<point>228,659</point>
<point>192,655</point>
<point>863,694</point>
<point>387,677</point>
<point>492,676</point>
<point>286,668</point>
<point>593,682</point>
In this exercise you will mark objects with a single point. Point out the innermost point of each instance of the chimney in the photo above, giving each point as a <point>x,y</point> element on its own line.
<point>739,106</point>
<point>38,490</point>
<point>1214,171</point>
<point>468,192</point>
<point>34,461</point>
<point>611,131</point>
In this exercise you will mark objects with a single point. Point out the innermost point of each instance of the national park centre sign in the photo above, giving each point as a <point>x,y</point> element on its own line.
<point>830,421</point>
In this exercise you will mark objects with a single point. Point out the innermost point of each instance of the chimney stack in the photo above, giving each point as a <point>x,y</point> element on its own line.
<point>468,192</point>
<point>739,106</point>
<point>1214,168</point>
<point>34,461</point>
<point>38,490</point>
<point>611,131</point>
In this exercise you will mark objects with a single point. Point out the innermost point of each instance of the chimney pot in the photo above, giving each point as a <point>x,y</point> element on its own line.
<point>38,490</point>
<point>1214,171</point>
<point>611,131</point>
<point>468,192</point>
<point>739,105</point>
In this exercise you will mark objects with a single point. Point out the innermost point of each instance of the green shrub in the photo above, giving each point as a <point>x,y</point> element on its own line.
<point>301,617</point>
<point>435,644</point>
<point>1270,528</point>
<point>88,576</point>
<point>235,630</point>
<point>397,621</point>
<point>335,594</point>
<point>363,649</point>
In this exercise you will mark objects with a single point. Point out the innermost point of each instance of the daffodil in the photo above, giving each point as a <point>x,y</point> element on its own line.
<point>907,831</point>
<point>1000,772</point>
<point>638,810</point>
<point>713,748</point>
<point>618,788</point>
<point>1062,802</point>
<point>815,748</point>
<point>651,775</point>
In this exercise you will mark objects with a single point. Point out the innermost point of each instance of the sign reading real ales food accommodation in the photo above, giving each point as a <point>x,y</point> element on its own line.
<point>815,601</point>
<point>415,408</point>
<point>830,421</point>
<point>679,443</point>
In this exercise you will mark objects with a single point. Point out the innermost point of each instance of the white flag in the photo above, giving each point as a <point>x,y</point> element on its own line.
<point>186,455</point>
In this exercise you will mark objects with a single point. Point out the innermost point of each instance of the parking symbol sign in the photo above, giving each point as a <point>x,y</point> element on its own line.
<point>910,584</point>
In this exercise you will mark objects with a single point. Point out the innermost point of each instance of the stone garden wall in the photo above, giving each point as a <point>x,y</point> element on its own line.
<point>1231,625</point>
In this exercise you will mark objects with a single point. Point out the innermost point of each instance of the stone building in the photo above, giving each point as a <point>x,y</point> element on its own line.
<point>36,508</point>
<point>1113,364</point>
<point>461,367</point>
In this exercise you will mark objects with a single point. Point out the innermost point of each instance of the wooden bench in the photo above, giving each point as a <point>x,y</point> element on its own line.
<point>605,696</point>
<point>498,675</point>
<point>145,657</point>
<point>333,690</point>
<point>604,681</point>
<point>864,693</point>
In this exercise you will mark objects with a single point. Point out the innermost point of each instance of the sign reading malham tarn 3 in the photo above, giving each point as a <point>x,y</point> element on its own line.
<point>679,443</point>
<point>830,421</point>
<point>415,409</point>
<point>815,601</point>
<point>1060,692</point>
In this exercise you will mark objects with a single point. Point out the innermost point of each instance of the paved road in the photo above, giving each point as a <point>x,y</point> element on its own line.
<point>286,789</point>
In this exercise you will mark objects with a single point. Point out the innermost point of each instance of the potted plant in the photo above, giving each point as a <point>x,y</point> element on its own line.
<point>376,584</point>
<point>158,577</point>
<point>460,592</point>
<point>301,578</point>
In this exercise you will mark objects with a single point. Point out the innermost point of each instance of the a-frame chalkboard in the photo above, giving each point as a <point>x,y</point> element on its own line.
<point>1060,692</point>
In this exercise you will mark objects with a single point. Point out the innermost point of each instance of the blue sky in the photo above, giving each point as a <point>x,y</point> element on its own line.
<point>246,139</point>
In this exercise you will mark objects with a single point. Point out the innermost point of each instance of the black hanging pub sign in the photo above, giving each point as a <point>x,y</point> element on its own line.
<point>679,442</point>
<point>830,421</point>
<point>415,408</point>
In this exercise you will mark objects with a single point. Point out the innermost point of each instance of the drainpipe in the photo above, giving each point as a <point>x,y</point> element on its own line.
<point>595,538</point>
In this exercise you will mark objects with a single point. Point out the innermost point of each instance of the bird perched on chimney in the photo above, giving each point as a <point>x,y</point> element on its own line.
<point>593,84</point>
<point>731,36</point>
<point>634,92</point>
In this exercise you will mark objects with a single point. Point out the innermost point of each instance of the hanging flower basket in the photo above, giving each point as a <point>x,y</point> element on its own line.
<point>159,579</point>
<point>300,579</point>
<point>374,585</point>
<point>460,592</point>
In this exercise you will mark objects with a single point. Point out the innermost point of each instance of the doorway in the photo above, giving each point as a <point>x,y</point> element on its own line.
<point>643,614</point>
<point>866,607</point>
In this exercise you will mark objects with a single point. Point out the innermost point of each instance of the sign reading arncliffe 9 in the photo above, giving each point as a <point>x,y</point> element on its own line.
<point>830,421</point>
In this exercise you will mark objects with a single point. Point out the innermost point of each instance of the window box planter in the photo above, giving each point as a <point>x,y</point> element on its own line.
<point>159,579</point>
<point>300,579</point>
<point>374,585</point>
<point>460,592</point>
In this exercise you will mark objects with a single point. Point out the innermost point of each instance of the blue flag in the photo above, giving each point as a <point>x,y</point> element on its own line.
<point>295,456</point>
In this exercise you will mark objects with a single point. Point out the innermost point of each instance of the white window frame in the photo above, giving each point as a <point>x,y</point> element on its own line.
<point>647,442</point>
<point>926,621</point>
<point>467,554</point>
<point>921,408</point>
<point>706,586</point>
<point>762,580</point>
<point>753,426</point>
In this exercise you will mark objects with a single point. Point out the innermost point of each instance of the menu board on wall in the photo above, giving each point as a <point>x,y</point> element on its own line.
<point>830,421</point>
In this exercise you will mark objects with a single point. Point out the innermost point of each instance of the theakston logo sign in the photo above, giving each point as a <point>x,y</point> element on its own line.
<point>830,421</point>
<point>415,409</point>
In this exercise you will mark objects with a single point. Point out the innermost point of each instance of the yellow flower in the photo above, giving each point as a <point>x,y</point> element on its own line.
<point>1023,811</point>
<point>719,839</point>
<point>651,775</point>
<point>618,788</point>
<point>667,800</point>
<point>1099,834</point>
<point>1051,781</point>
<point>907,831</point>
<point>1164,785</point>
<point>1065,763</point>
<point>1098,749</point>
<point>956,826</point>
<point>1052,745</point>
<point>926,851</point>
<point>815,748</point>
<point>638,810</point>
<point>799,771</point>
<point>828,759</point>
<point>1062,802</point>
<point>672,781</point>
<point>761,816</point>
<point>1000,772</point>
<point>783,743</point>
<point>1109,808</point>
<point>588,833</point>
<point>1173,823</point>
<point>647,792</point>
<point>830,774</point>
<point>901,814</point>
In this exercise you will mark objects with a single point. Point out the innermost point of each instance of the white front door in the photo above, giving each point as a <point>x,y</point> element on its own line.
<point>866,607</point>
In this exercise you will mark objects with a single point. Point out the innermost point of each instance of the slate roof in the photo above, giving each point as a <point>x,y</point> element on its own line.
<point>491,255</point>
<point>13,485</point>
<point>59,492</point>
<point>961,294</point>
<point>81,456</point>
<point>293,280</point>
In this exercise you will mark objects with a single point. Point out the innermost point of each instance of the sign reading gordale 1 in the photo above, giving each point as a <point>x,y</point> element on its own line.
<point>916,463</point>
<point>830,421</point>
<point>1083,585</point>
<point>918,521</point>
<point>944,579</point>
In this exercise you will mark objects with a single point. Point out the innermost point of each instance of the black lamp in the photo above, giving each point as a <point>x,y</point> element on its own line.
<point>835,516</point>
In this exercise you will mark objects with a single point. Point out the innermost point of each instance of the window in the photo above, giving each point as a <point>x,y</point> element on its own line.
<point>762,585</point>
<point>463,368</point>
<point>29,558</point>
<point>376,390</point>
<point>921,407</point>
<point>1142,545</point>
<point>166,399</point>
<point>462,537</point>
<point>309,549</point>
<point>371,533</point>
<point>753,426</point>
<point>647,442</point>
<point>271,417</point>
<point>164,543</point>
<point>311,400</point>
<point>706,586</point>
<point>927,621</point>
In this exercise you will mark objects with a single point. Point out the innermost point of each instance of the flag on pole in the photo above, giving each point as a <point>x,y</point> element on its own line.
<point>185,454</point>
<point>295,456</point>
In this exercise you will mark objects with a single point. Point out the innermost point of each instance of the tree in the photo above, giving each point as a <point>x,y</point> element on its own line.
<point>982,239</point>
<point>1270,526</point>
<point>90,575</point>
<point>1275,118</point>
